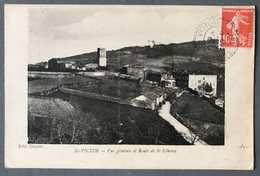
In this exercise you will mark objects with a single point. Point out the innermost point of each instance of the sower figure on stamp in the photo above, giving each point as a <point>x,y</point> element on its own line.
<point>235,22</point>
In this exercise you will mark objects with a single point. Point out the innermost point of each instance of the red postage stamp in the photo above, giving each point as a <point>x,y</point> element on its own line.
<point>237,27</point>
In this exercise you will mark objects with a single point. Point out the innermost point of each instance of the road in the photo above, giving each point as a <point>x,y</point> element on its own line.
<point>188,135</point>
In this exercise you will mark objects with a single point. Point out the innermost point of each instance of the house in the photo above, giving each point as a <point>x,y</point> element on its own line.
<point>91,66</point>
<point>168,83</point>
<point>167,80</point>
<point>59,64</point>
<point>73,67</point>
<point>203,83</point>
<point>38,67</point>
<point>220,102</point>
<point>181,79</point>
<point>154,77</point>
<point>150,100</point>
<point>144,102</point>
<point>134,70</point>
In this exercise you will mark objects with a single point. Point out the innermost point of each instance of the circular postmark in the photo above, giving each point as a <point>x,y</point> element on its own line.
<point>207,38</point>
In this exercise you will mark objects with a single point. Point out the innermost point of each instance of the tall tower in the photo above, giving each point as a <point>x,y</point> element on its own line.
<point>101,56</point>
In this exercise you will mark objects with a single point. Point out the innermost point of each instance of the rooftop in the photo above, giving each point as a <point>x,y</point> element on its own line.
<point>151,95</point>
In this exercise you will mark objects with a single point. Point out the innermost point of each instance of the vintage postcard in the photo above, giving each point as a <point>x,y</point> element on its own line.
<point>129,87</point>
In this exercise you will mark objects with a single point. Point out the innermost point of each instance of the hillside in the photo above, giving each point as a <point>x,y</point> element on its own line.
<point>193,55</point>
<point>199,116</point>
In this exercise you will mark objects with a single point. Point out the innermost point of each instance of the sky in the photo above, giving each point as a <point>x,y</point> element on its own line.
<point>61,32</point>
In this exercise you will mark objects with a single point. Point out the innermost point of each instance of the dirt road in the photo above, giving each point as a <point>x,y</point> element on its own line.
<point>188,135</point>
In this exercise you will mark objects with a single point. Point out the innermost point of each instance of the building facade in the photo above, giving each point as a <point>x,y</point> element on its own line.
<point>205,83</point>
<point>220,102</point>
<point>154,77</point>
<point>167,80</point>
<point>181,79</point>
<point>58,64</point>
<point>168,83</point>
<point>150,100</point>
<point>138,72</point>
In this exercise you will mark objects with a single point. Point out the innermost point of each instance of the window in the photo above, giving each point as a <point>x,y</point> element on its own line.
<point>199,81</point>
<point>203,78</point>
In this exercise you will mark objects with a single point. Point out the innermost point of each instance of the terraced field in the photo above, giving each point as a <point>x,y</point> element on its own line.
<point>49,107</point>
<point>40,85</point>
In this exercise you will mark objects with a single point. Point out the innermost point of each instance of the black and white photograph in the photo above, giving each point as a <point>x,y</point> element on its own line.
<point>125,76</point>
<point>98,86</point>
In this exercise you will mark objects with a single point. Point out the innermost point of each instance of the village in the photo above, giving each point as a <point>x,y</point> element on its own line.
<point>198,82</point>
<point>132,85</point>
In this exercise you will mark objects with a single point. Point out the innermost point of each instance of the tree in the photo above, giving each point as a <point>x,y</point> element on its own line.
<point>74,128</point>
<point>208,88</point>
<point>205,87</point>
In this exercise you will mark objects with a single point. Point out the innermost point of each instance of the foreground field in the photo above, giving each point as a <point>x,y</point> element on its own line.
<point>199,116</point>
<point>100,122</point>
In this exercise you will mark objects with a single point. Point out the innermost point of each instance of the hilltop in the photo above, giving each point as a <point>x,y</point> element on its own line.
<point>194,55</point>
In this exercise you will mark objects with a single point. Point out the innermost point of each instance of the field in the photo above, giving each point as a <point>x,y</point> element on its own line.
<point>112,86</point>
<point>40,85</point>
<point>48,107</point>
<point>119,88</point>
<point>166,62</point>
<point>199,116</point>
<point>100,122</point>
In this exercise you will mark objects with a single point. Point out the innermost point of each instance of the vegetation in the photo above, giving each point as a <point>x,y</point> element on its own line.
<point>199,116</point>
<point>49,83</point>
<point>205,87</point>
<point>207,52</point>
<point>112,86</point>
<point>100,122</point>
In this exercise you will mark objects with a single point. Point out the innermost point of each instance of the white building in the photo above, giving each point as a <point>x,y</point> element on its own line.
<point>101,54</point>
<point>169,83</point>
<point>167,80</point>
<point>149,100</point>
<point>91,66</point>
<point>219,102</point>
<point>196,81</point>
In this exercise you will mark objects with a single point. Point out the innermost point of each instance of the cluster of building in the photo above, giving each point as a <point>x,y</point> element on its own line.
<point>61,64</point>
<point>196,81</point>
<point>192,80</point>
<point>204,83</point>
<point>200,82</point>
